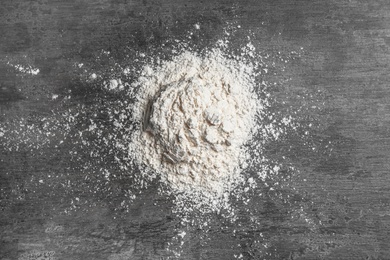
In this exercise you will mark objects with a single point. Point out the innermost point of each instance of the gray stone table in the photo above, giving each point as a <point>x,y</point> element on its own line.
<point>329,62</point>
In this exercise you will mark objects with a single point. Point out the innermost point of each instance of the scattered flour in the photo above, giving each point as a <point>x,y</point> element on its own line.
<point>25,69</point>
<point>199,122</point>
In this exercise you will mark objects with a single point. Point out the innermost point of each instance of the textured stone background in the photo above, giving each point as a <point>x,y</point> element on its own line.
<point>335,204</point>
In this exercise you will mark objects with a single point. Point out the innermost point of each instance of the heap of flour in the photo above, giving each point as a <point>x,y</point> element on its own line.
<point>195,114</point>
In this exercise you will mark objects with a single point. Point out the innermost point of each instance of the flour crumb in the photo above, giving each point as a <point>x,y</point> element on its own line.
<point>93,76</point>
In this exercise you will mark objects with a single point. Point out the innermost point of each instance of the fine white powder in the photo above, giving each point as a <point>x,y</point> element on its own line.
<point>195,114</point>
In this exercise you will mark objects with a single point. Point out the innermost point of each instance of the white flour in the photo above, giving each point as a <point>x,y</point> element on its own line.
<point>196,114</point>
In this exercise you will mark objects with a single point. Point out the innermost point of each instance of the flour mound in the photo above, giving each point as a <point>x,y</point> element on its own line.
<point>195,115</point>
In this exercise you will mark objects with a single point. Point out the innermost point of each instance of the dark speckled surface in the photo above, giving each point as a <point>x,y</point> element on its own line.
<point>335,203</point>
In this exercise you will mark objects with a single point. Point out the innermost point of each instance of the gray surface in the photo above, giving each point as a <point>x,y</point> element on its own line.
<point>334,205</point>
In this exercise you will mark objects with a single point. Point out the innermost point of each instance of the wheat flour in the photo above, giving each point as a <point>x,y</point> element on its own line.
<point>195,115</point>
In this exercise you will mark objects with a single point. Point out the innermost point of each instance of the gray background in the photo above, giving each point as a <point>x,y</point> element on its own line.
<point>331,198</point>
